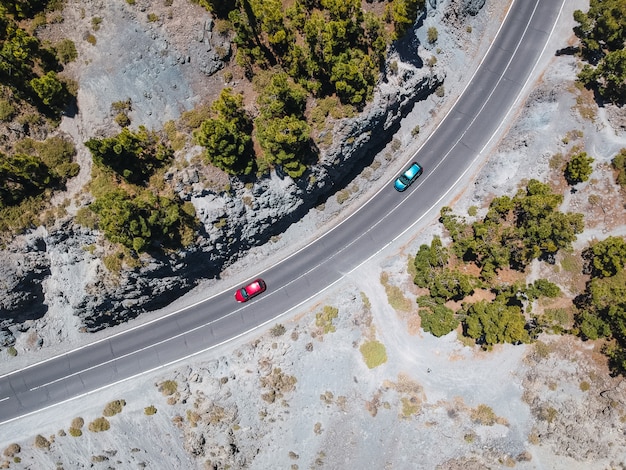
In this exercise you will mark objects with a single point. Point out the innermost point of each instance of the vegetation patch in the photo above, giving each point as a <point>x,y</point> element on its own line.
<point>41,442</point>
<point>278,383</point>
<point>374,353</point>
<point>395,296</point>
<point>324,319</point>
<point>99,425</point>
<point>484,415</point>
<point>114,407</point>
<point>168,387</point>
<point>150,410</point>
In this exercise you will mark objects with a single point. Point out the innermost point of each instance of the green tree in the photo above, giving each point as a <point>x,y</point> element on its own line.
<point>286,142</point>
<point>494,322</point>
<point>282,97</point>
<point>132,155</point>
<point>404,14</point>
<point>578,169</point>
<point>50,90</point>
<point>436,318</point>
<point>21,176</point>
<point>602,32</point>
<point>607,257</point>
<point>427,260</point>
<point>227,147</point>
<point>352,77</point>
<point>227,135</point>
<point>619,164</point>
<point>143,221</point>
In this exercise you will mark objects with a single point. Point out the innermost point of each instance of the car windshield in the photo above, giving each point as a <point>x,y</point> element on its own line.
<point>244,293</point>
<point>404,179</point>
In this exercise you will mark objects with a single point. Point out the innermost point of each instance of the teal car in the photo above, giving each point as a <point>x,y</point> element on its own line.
<point>410,175</point>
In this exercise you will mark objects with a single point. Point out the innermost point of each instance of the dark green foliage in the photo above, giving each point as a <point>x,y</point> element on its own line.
<point>578,169</point>
<point>403,14</point>
<point>353,76</point>
<point>24,8</point>
<point>606,257</point>
<point>227,136</point>
<point>542,288</point>
<point>330,46</point>
<point>450,284</point>
<point>602,314</point>
<point>132,155</point>
<point>619,164</point>
<point>602,32</point>
<point>51,91</point>
<point>428,259</point>
<point>143,221</point>
<point>26,67</point>
<point>21,176</point>
<point>55,152</point>
<point>515,230</point>
<point>34,167</point>
<point>282,129</point>
<point>221,8</point>
<point>495,322</point>
<point>286,140</point>
<point>66,51</point>
<point>436,318</point>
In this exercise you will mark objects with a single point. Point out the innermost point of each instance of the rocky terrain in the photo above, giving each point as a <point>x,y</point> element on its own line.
<point>301,394</point>
<point>164,67</point>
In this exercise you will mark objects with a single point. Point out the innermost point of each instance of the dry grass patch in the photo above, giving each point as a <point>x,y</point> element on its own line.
<point>395,296</point>
<point>484,415</point>
<point>374,353</point>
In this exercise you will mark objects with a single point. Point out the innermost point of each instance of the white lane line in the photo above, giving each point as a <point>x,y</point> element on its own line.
<point>4,399</point>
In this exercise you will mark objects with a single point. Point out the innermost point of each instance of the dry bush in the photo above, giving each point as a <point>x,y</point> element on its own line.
<point>41,442</point>
<point>114,407</point>
<point>12,449</point>
<point>99,425</point>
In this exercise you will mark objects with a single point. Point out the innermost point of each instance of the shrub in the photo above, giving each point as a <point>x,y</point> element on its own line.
<point>12,449</point>
<point>374,353</point>
<point>66,51</point>
<point>150,410</point>
<point>484,415</point>
<point>169,387</point>
<point>432,35</point>
<point>7,110</point>
<point>114,407</point>
<point>122,120</point>
<point>325,318</point>
<point>41,442</point>
<point>99,425</point>
<point>278,330</point>
<point>11,351</point>
<point>578,169</point>
<point>75,432</point>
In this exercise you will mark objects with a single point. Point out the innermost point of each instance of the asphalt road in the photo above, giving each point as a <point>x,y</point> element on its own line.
<point>446,156</point>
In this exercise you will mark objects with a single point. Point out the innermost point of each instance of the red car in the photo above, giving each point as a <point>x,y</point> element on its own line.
<point>251,290</point>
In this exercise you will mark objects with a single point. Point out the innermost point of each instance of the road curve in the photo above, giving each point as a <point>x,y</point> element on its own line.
<point>446,156</point>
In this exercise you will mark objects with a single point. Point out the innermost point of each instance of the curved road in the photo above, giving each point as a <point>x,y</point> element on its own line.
<point>446,156</point>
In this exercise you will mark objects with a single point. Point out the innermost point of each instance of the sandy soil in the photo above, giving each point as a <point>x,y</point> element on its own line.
<point>304,398</point>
